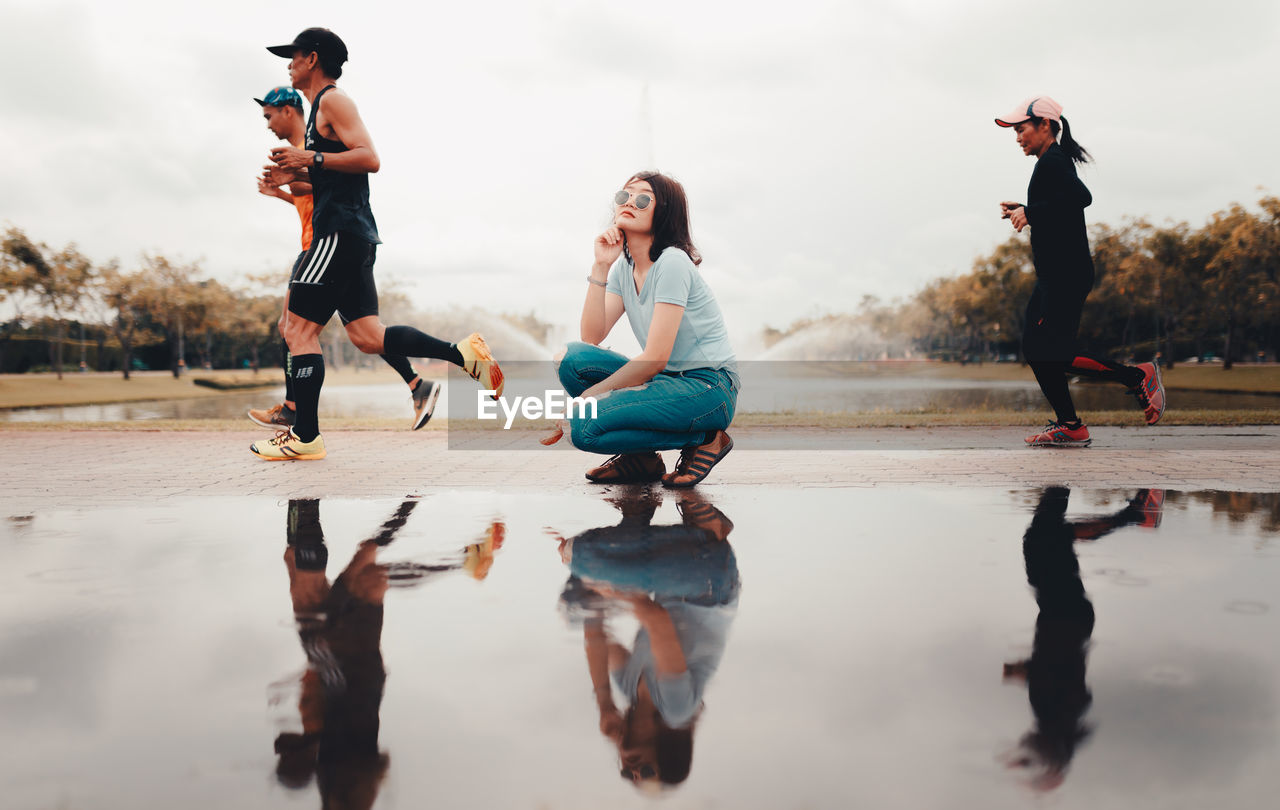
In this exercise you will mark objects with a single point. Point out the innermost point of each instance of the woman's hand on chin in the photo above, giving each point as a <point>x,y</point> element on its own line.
<point>608,245</point>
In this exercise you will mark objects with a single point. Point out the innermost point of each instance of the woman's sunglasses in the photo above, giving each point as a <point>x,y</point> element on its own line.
<point>642,200</point>
<point>644,771</point>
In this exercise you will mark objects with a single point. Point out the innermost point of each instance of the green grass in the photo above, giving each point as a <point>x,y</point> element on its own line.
<point>46,390</point>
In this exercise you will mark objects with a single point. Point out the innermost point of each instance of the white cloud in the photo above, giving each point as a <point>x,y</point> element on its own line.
<point>830,150</point>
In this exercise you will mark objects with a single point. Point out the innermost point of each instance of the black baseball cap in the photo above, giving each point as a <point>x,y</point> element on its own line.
<point>324,42</point>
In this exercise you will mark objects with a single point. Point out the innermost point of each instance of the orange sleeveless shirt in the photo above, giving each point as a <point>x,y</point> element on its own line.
<point>305,205</point>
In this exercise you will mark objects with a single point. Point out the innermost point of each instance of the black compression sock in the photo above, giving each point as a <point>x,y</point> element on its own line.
<point>402,366</point>
<point>288,372</point>
<point>455,356</point>
<point>406,340</point>
<point>303,526</point>
<point>308,377</point>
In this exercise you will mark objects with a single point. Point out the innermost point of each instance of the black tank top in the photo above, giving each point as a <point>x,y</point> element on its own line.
<point>341,199</point>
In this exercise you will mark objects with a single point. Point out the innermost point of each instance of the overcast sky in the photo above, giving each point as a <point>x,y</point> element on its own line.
<point>829,149</point>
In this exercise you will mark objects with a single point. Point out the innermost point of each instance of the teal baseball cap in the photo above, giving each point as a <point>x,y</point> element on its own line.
<point>281,97</point>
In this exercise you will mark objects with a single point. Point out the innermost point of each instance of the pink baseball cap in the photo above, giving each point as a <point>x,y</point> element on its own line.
<point>1034,107</point>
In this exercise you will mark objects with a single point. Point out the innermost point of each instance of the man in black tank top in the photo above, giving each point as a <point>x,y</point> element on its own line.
<point>337,273</point>
<point>282,108</point>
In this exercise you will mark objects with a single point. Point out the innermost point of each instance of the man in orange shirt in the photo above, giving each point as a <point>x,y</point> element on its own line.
<point>282,109</point>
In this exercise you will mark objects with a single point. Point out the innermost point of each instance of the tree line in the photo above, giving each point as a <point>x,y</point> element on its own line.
<point>1170,291</point>
<point>119,311</point>
<point>160,313</point>
<point>156,313</point>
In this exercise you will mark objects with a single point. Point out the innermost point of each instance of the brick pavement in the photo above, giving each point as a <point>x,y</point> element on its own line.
<point>50,468</point>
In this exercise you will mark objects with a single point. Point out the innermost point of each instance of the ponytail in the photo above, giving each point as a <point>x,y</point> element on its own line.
<point>1069,145</point>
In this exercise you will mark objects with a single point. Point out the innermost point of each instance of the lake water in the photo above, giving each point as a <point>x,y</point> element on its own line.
<point>887,648</point>
<point>767,387</point>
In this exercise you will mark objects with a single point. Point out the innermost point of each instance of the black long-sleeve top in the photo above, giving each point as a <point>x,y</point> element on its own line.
<point>1056,200</point>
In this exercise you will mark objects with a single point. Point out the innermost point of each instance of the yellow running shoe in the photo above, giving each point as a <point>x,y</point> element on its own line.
<point>480,555</point>
<point>287,447</point>
<point>478,361</point>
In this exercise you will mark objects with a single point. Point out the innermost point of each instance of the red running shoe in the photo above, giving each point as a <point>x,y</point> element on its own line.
<point>1149,504</point>
<point>1150,392</point>
<point>1056,434</point>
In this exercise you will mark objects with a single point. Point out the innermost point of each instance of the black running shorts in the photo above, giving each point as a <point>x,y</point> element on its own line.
<point>335,275</point>
<point>297,265</point>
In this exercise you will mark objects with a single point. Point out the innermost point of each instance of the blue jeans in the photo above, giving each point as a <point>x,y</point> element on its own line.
<point>671,411</point>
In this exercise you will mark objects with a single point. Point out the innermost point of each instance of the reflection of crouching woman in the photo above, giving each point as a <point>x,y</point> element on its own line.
<point>681,585</point>
<point>682,390</point>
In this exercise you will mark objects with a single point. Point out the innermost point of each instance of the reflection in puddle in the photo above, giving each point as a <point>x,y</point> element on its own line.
<point>1248,608</point>
<point>425,652</point>
<point>66,575</point>
<point>680,584</point>
<point>1055,673</point>
<point>339,625</point>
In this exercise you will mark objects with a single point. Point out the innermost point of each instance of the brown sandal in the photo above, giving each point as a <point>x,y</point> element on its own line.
<point>696,462</point>
<point>629,468</point>
<point>694,511</point>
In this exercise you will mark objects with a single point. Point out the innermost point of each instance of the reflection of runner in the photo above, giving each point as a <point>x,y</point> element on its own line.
<point>1056,200</point>
<point>340,627</point>
<point>1055,672</point>
<point>337,273</point>
<point>282,108</point>
<point>681,585</point>
<point>682,390</point>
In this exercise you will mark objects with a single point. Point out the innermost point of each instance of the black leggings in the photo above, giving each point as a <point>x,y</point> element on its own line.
<point>1049,343</point>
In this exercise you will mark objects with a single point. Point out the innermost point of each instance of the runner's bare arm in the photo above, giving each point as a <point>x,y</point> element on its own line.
<point>337,112</point>
<point>269,190</point>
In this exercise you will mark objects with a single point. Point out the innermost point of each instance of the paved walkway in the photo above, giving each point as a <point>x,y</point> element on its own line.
<point>65,468</point>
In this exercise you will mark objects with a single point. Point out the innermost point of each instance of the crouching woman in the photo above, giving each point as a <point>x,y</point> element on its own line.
<point>682,390</point>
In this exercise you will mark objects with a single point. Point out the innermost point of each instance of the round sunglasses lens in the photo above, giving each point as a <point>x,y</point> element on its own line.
<point>621,198</point>
<point>642,201</point>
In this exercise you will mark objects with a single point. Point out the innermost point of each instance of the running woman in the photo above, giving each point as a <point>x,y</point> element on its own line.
<point>336,275</point>
<point>1054,210</point>
<point>682,390</point>
<point>282,109</point>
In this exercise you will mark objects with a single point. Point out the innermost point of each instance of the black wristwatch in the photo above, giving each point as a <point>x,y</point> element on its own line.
<point>318,160</point>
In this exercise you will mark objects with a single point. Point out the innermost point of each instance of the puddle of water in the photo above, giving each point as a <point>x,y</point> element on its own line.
<point>888,648</point>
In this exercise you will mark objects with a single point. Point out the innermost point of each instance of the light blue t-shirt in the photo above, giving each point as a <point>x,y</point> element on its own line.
<point>702,632</point>
<point>702,341</point>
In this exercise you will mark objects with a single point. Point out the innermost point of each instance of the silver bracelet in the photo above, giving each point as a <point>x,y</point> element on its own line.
<point>597,283</point>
